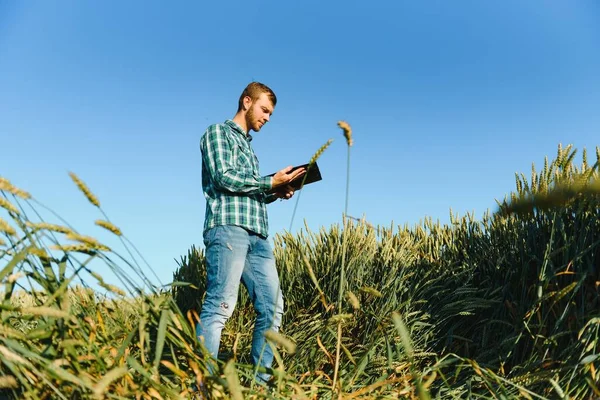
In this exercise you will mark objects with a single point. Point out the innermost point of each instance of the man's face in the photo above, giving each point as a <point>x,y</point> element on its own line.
<point>259,112</point>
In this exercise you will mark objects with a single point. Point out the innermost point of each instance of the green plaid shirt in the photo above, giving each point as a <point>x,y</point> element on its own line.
<point>232,185</point>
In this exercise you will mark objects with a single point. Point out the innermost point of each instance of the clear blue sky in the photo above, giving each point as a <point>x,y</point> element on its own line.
<point>447,100</point>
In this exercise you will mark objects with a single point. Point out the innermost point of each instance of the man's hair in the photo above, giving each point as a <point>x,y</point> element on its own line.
<point>254,90</point>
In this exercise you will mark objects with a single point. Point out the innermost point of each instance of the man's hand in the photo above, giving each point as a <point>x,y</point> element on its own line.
<point>286,175</point>
<point>284,192</point>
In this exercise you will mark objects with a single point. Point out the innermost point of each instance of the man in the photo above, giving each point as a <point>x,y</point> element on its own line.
<point>236,225</point>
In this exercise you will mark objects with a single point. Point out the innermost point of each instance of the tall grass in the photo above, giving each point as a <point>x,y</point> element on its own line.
<point>502,307</point>
<point>506,306</point>
<point>63,341</point>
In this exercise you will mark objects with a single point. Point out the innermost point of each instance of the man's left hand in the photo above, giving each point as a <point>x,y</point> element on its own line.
<point>285,192</point>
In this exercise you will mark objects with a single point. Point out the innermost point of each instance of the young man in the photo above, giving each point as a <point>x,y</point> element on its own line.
<point>236,225</point>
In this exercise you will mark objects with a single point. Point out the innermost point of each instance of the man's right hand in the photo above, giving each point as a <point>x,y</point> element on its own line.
<point>286,175</point>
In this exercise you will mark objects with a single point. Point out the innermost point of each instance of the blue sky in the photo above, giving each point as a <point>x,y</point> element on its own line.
<point>447,100</point>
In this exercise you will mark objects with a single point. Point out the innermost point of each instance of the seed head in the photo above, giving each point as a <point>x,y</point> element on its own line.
<point>316,156</point>
<point>49,227</point>
<point>12,278</point>
<point>83,239</point>
<point>340,318</point>
<point>112,288</point>
<point>281,340</point>
<point>88,241</point>
<point>6,228</point>
<point>8,382</point>
<point>9,187</point>
<point>96,275</point>
<point>347,132</point>
<point>79,248</point>
<point>86,191</point>
<point>353,300</point>
<point>109,226</point>
<point>72,248</point>
<point>8,206</point>
<point>372,291</point>
<point>41,253</point>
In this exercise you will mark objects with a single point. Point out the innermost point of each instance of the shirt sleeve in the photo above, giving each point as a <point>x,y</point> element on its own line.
<point>217,155</point>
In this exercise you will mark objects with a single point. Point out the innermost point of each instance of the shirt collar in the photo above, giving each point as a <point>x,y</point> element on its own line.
<point>239,129</point>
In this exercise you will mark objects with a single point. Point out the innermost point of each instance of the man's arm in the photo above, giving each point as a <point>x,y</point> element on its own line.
<point>217,153</point>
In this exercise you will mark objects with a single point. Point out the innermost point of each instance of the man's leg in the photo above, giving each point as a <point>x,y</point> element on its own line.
<point>262,281</point>
<point>226,249</point>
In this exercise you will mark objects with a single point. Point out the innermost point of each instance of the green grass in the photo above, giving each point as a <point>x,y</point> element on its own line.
<point>502,307</point>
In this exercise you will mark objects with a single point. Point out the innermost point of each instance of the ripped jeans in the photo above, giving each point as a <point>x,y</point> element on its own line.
<point>234,254</point>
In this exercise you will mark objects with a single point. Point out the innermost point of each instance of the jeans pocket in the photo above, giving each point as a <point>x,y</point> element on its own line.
<point>213,235</point>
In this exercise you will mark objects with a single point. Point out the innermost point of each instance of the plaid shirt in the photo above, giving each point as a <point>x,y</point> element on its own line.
<point>232,185</point>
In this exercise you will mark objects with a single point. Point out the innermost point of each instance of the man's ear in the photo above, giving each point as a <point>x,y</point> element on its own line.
<point>247,102</point>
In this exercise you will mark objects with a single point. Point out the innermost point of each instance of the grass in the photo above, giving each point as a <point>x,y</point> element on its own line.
<point>502,307</point>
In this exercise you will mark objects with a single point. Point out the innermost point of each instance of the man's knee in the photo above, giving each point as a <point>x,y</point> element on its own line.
<point>218,309</point>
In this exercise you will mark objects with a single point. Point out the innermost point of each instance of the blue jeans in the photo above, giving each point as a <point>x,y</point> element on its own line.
<point>234,254</point>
